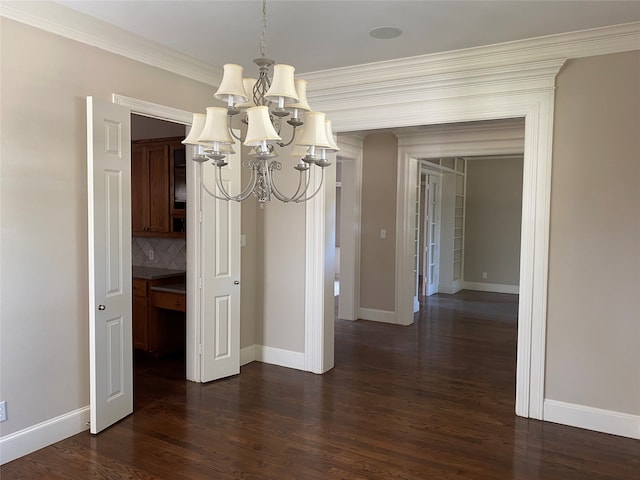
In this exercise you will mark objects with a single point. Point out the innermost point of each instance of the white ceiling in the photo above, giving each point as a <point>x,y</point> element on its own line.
<point>325,34</point>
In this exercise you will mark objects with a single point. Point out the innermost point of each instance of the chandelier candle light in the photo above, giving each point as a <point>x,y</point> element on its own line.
<point>265,103</point>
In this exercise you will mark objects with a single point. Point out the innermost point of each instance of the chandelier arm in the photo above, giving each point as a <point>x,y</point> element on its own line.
<point>277,193</point>
<point>283,198</point>
<point>221,186</point>
<point>226,196</point>
<point>293,135</point>
<point>206,189</point>
<point>299,198</point>
<point>314,193</point>
<point>233,134</point>
<point>242,195</point>
<point>246,193</point>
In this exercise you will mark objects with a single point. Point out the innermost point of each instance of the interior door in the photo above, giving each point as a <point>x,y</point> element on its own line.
<point>220,257</point>
<point>433,234</point>
<point>109,239</point>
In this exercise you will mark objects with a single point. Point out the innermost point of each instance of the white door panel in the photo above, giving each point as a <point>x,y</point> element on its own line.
<point>109,225</point>
<point>221,275</point>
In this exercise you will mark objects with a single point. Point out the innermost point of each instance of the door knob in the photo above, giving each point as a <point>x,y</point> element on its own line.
<point>237,282</point>
<point>101,307</point>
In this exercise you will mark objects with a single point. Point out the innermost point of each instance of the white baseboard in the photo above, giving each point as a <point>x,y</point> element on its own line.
<point>606,421</point>
<point>491,287</point>
<point>450,290</point>
<point>373,315</point>
<point>30,439</point>
<point>247,355</point>
<point>277,356</point>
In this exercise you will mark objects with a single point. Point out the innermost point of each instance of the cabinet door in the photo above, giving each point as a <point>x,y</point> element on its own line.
<point>139,189</point>
<point>158,164</point>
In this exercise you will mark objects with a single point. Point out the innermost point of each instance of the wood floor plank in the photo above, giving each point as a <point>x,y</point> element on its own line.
<point>434,400</point>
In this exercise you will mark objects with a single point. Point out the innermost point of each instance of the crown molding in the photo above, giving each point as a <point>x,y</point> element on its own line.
<point>443,67</point>
<point>411,94</point>
<point>68,23</point>
<point>447,66</point>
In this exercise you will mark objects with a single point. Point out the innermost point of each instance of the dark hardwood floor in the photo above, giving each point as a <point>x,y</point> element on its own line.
<point>431,401</point>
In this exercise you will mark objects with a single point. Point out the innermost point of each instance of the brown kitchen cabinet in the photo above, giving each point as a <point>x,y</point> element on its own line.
<point>154,210</point>
<point>154,333</point>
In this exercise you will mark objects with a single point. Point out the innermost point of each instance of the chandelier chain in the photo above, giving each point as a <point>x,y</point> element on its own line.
<point>263,43</point>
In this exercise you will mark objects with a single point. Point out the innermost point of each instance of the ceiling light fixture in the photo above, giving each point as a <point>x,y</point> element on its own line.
<point>266,103</point>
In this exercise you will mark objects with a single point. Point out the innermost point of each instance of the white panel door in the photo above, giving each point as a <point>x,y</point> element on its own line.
<point>220,257</point>
<point>109,213</point>
<point>109,225</point>
<point>432,243</point>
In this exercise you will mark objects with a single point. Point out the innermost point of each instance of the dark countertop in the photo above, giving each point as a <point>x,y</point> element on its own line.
<point>171,288</point>
<point>152,273</point>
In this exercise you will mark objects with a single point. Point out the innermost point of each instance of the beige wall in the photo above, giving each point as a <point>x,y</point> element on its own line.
<point>43,200</point>
<point>281,323</point>
<point>593,326</point>
<point>248,272</point>
<point>377,255</point>
<point>493,220</point>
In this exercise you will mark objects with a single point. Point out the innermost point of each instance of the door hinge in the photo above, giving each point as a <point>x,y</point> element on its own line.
<point>200,216</point>
<point>200,349</point>
<point>200,283</point>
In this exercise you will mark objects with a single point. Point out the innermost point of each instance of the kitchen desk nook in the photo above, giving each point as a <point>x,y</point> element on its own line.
<point>159,306</point>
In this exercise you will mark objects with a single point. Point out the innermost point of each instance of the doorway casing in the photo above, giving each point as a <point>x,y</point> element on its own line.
<point>193,314</point>
<point>476,93</point>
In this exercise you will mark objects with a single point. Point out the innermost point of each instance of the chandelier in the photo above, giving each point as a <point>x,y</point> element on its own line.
<point>265,103</point>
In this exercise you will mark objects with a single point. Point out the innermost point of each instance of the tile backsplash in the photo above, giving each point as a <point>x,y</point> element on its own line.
<point>167,252</point>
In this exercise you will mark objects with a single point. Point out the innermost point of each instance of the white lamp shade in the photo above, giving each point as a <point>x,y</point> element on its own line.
<point>248,83</point>
<point>196,129</point>
<point>314,132</point>
<point>282,85</point>
<point>231,86</point>
<point>260,128</point>
<point>215,127</point>
<point>301,89</point>
<point>332,142</point>
<point>298,151</point>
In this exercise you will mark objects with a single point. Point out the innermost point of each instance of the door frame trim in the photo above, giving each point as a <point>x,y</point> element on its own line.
<point>524,91</point>
<point>351,158</point>
<point>193,314</point>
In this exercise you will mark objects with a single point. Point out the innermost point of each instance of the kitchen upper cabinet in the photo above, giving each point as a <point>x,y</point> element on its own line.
<point>153,211</point>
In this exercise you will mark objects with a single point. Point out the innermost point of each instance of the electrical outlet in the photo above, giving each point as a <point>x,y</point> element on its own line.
<point>484,275</point>
<point>3,411</point>
<point>152,255</point>
<point>383,233</point>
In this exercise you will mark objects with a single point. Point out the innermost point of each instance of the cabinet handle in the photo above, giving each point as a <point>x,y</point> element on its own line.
<point>101,307</point>
<point>236,282</point>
